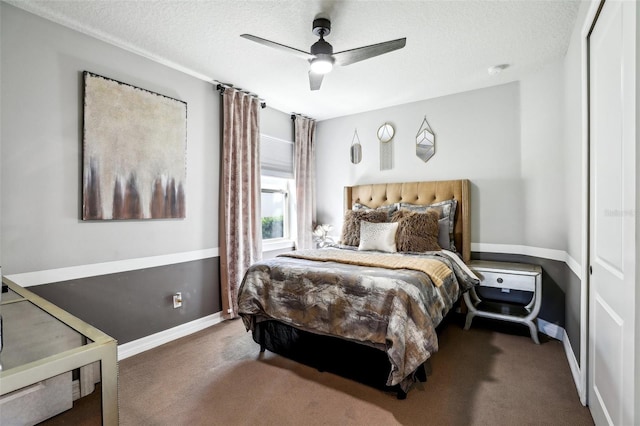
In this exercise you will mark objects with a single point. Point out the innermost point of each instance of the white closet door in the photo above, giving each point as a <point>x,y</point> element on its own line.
<point>612,215</point>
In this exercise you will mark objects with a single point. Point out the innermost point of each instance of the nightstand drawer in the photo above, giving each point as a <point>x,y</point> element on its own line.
<point>507,280</point>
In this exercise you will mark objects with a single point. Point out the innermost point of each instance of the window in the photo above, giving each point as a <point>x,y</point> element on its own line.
<point>275,208</point>
<point>276,164</point>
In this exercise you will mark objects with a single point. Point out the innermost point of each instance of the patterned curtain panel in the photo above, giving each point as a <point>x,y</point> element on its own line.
<point>305,175</point>
<point>240,229</point>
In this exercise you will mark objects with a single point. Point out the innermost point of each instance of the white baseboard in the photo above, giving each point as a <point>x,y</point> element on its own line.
<point>551,330</point>
<point>573,364</point>
<point>152,341</point>
<point>559,333</point>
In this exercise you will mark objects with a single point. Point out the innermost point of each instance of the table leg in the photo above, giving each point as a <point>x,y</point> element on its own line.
<point>109,379</point>
<point>534,331</point>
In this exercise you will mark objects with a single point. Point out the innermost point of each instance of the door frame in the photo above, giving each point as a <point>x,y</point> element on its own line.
<point>589,22</point>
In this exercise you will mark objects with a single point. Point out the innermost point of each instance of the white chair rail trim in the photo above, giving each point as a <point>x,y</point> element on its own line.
<point>544,253</point>
<point>49,276</point>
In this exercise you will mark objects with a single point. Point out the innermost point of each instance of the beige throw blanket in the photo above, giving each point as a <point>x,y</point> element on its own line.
<point>436,270</point>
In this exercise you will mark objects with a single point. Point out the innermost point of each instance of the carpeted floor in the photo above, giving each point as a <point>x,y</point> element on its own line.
<point>218,377</point>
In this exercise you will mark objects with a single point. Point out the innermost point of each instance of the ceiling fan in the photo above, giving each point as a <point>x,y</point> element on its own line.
<point>322,58</point>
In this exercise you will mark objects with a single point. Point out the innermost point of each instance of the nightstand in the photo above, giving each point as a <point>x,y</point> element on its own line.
<point>507,277</point>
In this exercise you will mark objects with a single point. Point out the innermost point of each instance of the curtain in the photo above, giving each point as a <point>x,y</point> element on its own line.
<point>240,219</point>
<point>305,175</point>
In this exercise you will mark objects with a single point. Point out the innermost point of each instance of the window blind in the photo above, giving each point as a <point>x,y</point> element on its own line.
<point>276,157</point>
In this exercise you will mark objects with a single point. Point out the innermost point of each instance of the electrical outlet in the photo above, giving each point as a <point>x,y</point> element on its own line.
<point>177,300</point>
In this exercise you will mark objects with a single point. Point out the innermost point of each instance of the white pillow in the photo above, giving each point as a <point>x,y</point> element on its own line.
<point>378,236</point>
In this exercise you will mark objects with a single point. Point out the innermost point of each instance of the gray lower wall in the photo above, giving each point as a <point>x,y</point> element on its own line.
<point>560,304</point>
<point>131,305</point>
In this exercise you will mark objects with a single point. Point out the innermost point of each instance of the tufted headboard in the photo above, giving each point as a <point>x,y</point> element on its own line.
<point>424,193</point>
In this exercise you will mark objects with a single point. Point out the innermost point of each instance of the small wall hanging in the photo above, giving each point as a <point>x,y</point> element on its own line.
<point>425,141</point>
<point>385,136</point>
<point>356,149</point>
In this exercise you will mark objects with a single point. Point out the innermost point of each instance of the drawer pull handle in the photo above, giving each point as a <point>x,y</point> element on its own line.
<point>500,280</point>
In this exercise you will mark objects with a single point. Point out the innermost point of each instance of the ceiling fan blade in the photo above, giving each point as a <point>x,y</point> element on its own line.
<point>300,53</point>
<point>315,80</point>
<point>348,57</point>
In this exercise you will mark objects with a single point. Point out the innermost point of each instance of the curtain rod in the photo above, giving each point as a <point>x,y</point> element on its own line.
<point>223,86</point>
<point>295,114</point>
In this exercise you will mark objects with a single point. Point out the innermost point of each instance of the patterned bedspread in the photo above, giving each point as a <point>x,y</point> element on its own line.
<point>394,310</point>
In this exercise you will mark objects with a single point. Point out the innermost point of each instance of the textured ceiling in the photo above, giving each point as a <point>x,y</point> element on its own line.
<point>450,44</point>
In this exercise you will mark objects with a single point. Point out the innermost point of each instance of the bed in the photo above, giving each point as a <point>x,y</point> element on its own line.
<point>370,315</point>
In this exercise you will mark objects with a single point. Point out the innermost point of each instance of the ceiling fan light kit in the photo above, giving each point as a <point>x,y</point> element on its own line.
<point>322,64</point>
<point>321,57</point>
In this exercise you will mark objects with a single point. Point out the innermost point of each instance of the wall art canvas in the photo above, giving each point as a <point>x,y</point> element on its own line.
<point>134,152</point>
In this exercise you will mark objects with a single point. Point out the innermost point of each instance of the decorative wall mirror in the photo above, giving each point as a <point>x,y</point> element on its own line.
<point>385,135</point>
<point>356,149</point>
<point>425,141</point>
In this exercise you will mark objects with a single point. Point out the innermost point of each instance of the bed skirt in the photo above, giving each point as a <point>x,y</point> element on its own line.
<point>352,360</point>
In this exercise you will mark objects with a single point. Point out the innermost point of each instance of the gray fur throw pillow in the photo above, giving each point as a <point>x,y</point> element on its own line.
<point>417,232</point>
<point>351,226</point>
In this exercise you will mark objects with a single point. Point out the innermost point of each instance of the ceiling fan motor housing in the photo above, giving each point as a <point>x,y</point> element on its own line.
<point>321,47</point>
<point>321,27</point>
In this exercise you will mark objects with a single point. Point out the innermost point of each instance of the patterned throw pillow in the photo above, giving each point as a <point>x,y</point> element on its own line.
<point>446,209</point>
<point>378,236</point>
<point>417,232</point>
<point>351,225</point>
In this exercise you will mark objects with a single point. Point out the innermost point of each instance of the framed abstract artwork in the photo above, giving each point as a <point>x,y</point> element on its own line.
<point>134,152</point>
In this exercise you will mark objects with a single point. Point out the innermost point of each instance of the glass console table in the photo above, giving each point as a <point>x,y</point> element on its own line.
<point>41,341</point>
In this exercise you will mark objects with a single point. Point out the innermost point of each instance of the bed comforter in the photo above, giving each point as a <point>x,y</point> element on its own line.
<point>395,310</point>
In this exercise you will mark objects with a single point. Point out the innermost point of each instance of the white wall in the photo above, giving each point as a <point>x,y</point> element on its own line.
<point>543,158</point>
<point>507,139</point>
<point>574,179</point>
<point>477,137</point>
<point>573,137</point>
<point>276,124</point>
<point>42,66</point>
<point>41,134</point>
